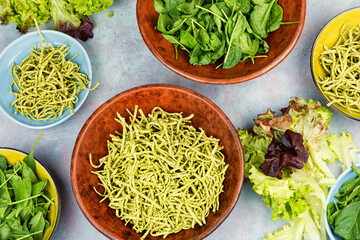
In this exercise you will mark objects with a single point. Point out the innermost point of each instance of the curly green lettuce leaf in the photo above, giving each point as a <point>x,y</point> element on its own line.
<point>344,148</point>
<point>311,124</point>
<point>23,12</point>
<point>62,11</point>
<point>89,7</point>
<point>279,194</point>
<point>292,195</point>
<point>294,230</point>
<point>254,147</point>
<point>301,227</point>
<point>69,16</point>
<point>296,114</point>
<point>314,128</point>
<point>300,197</point>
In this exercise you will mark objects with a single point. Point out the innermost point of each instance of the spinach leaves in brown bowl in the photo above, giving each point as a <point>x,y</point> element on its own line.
<point>208,30</point>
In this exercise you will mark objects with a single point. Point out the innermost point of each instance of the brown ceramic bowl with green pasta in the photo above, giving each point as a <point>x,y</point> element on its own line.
<point>170,116</point>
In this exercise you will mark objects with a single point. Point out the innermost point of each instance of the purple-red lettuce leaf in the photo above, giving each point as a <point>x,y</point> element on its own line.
<point>290,153</point>
<point>66,19</point>
<point>83,32</point>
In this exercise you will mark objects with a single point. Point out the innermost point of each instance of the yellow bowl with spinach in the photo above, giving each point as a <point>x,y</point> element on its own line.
<point>53,216</point>
<point>328,36</point>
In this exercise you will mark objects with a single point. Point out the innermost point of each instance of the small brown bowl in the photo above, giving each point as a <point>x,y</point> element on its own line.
<point>95,133</point>
<point>281,42</point>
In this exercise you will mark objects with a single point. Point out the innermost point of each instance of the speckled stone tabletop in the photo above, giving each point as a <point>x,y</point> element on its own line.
<point>121,60</point>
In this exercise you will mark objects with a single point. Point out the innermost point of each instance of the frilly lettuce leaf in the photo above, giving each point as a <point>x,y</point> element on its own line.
<point>299,228</point>
<point>69,16</point>
<point>300,196</point>
<point>23,13</point>
<point>89,7</point>
<point>313,125</point>
<point>312,121</point>
<point>254,147</point>
<point>294,230</point>
<point>344,148</point>
<point>61,11</point>
<point>68,20</point>
<point>291,196</point>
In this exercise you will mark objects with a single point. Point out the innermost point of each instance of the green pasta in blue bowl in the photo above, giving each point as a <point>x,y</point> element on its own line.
<point>46,77</point>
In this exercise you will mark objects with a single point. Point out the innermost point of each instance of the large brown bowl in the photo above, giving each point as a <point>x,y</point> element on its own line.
<point>281,42</point>
<point>95,133</point>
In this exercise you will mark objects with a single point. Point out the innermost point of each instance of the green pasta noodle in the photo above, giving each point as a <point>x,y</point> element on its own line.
<point>341,86</point>
<point>161,174</point>
<point>45,83</point>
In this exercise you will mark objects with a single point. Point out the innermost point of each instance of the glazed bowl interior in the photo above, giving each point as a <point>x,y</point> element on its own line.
<point>94,134</point>
<point>281,42</point>
<point>12,157</point>
<point>328,37</point>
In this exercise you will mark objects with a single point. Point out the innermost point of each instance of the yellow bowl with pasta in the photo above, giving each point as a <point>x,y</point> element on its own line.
<point>333,70</point>
<point>12,156</point>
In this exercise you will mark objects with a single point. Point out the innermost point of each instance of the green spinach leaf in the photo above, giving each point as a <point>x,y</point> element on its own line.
<point>22,189</point>
<point>187,39</point>
<point>347,223</point>
<point>259,18</point>
<point>5,231</point>
<point>28,172</point>
<point>3,162</point>
<point>159,7</point>
<point>37,224</point>
<point>29,159</point>
<point>37,188</point>
<point>276,16</point>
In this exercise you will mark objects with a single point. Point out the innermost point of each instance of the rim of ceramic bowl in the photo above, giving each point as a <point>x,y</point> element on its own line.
<point>88,62</point>
<point>312,64</point>
<point>223,81</point>
<point>331,194</point>
<point>76,193</point>
<point>55,185</point>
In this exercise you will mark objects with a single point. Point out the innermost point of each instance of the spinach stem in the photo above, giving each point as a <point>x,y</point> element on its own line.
<point>178,42</point>
<point>37,140</point>
<point>209,11</point>
<point>198,24</point>
<point>231,39</point>
<point>224,14</point>
<point>49,200</point>
<point>282,23</point>
<point>260,56</point>
<point>29,235</point>
<point>10,177</point>
<point>23,200</point>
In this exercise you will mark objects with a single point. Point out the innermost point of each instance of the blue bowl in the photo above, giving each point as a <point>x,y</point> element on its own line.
<point>344,177</point>
<point>17,51</point>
